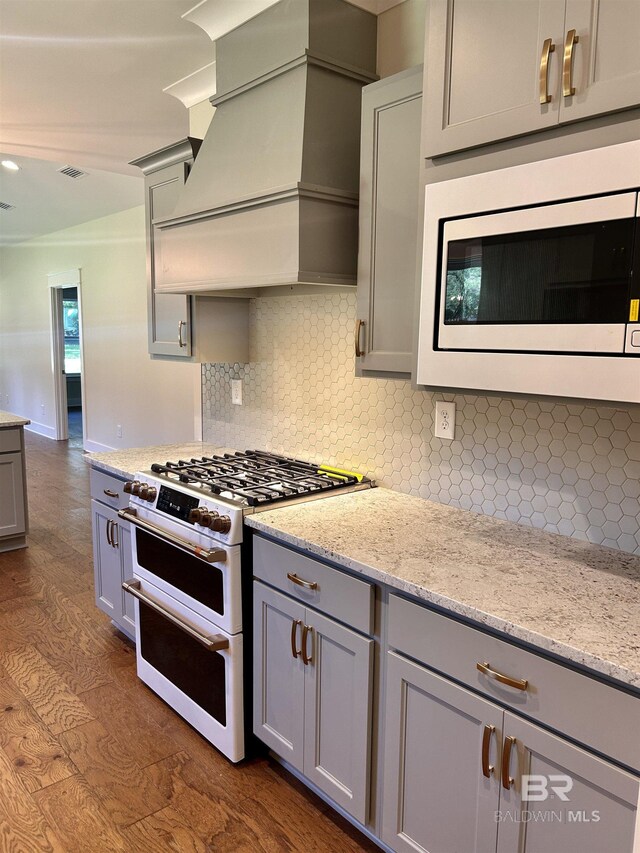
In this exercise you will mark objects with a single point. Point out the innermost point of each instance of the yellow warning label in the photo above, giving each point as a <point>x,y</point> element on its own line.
<point>634,310</point>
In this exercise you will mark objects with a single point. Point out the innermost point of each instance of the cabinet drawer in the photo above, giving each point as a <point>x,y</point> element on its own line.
<point>587,710</point>
<point>339,595</point>
<point>108,489</point>
<point>10,441</point>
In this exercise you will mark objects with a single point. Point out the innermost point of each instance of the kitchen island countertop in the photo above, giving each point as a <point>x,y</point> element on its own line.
<point>7,420</point>
<point>575,600</point>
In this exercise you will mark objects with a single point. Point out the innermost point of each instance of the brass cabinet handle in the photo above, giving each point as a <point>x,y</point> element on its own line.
<point>211,642</point>
<point>300,582</point>
<point>294,630</point>
<point>507,780</point>
<point>111,494</point>
<point>109,539</point>
<point>181,341</point>
<point>487,769</point>
<point>115,541</point>
<point>306,659</point>
<point>359,325</point>
<point>547,48</point>
<point>567,65</point>
<point>518,683</point>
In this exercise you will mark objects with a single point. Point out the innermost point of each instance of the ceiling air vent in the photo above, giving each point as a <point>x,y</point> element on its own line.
<point>5,206</point>
<point>72,172</point>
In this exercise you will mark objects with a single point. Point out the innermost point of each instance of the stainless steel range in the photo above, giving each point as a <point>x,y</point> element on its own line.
<point>187,576</point>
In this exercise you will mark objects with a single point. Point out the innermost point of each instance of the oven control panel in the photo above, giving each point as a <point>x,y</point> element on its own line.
<point>176,504</point>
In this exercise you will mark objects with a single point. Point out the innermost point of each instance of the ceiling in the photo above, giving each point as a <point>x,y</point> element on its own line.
<point>81,84</point>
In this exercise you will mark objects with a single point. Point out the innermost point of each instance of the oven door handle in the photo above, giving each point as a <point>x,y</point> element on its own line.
<point>214,643</point>
<point>217,556</point>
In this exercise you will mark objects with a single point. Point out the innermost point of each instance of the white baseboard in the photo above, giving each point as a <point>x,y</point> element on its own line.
<point>41,429</point>
<point>96,447</point>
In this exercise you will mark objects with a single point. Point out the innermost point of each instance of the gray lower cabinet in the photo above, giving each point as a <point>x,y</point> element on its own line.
<point>181,326</point>
<point>13,495</point>
<point>497,69</point>
<point>312,696</point>
<point>388,245</point>
<point>112,557</point>
<point>460,773</point>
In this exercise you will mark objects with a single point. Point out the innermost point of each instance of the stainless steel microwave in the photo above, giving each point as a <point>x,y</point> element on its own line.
<point>531,278</point>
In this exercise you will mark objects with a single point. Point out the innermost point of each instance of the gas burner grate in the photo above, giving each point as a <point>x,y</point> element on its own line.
<point>253,477</point>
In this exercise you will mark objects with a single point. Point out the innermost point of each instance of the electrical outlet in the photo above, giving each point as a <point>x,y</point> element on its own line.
<point>236,392</point>
<point>118,430</point>
<point>445,425</point>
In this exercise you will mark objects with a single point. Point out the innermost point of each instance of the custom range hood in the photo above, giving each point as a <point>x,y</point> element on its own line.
<point>272,198</point>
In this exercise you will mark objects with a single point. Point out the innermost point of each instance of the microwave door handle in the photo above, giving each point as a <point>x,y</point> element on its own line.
<point>213,643</point>
<point>131,515</point>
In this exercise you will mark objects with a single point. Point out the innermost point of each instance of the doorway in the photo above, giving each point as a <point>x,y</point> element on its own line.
<point>66,339</point>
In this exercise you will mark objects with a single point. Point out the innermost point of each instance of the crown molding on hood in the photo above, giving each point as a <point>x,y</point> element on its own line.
<point>219,17</point>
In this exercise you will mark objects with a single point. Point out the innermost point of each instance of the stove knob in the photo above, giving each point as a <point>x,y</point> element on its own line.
<point>146,492</point>
<point>222,524</point>
<point>128,486</point>
<point>151,493</point>
<point>206,518</point>
<point>195,515</point>
<point>136,486</point>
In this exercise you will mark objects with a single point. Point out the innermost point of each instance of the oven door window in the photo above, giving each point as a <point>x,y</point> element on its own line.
<point>572,274</point>
<point>194,577</point>
<point>198,673</point>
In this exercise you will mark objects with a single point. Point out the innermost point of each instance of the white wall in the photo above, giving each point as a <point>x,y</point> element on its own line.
<point>155,401</point>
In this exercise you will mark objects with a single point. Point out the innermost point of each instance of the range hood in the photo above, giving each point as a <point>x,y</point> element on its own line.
<point>272,198</point>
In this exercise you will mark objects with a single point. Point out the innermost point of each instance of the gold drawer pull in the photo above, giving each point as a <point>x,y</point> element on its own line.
<point>306,659</point>
<point>294,630</point>
<point>111,494</point>
<point>487,769</point>
<point>507,780</point>
<point>567,65</point>
<point>518,683</point>
<point>547,48</point>
<point>300,582</point>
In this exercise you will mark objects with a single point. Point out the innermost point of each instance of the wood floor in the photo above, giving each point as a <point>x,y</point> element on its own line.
<point>90,759</point>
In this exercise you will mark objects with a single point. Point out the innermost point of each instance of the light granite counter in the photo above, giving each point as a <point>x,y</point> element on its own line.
<point>7,420</point>
<point>575,600</point>
<point>125,463</point>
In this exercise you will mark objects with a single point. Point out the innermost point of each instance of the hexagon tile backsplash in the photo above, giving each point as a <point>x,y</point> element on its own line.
<point>567,468</point>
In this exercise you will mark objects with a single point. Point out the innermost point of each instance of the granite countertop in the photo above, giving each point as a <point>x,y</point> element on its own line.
<point>8,420</point>
<point>126,463</point>
<point>573,599</point>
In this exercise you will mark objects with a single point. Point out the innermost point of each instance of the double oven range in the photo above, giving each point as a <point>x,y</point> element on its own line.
<point>192,577</point>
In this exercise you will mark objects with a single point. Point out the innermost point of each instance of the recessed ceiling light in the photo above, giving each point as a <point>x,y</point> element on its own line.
<point>10,165</point>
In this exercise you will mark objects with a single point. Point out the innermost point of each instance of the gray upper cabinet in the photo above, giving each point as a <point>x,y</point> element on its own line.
<point>498,69</point>
<point>169,314</point>
<point>191,328</point>
<point>389,200</point>
<point>606,61</point>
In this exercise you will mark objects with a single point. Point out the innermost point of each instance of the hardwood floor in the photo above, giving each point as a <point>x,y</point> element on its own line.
<point>90,759</point>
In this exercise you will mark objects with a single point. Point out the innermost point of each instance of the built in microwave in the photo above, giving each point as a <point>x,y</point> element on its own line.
<point>549,278</point>
<point>531,278</point>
